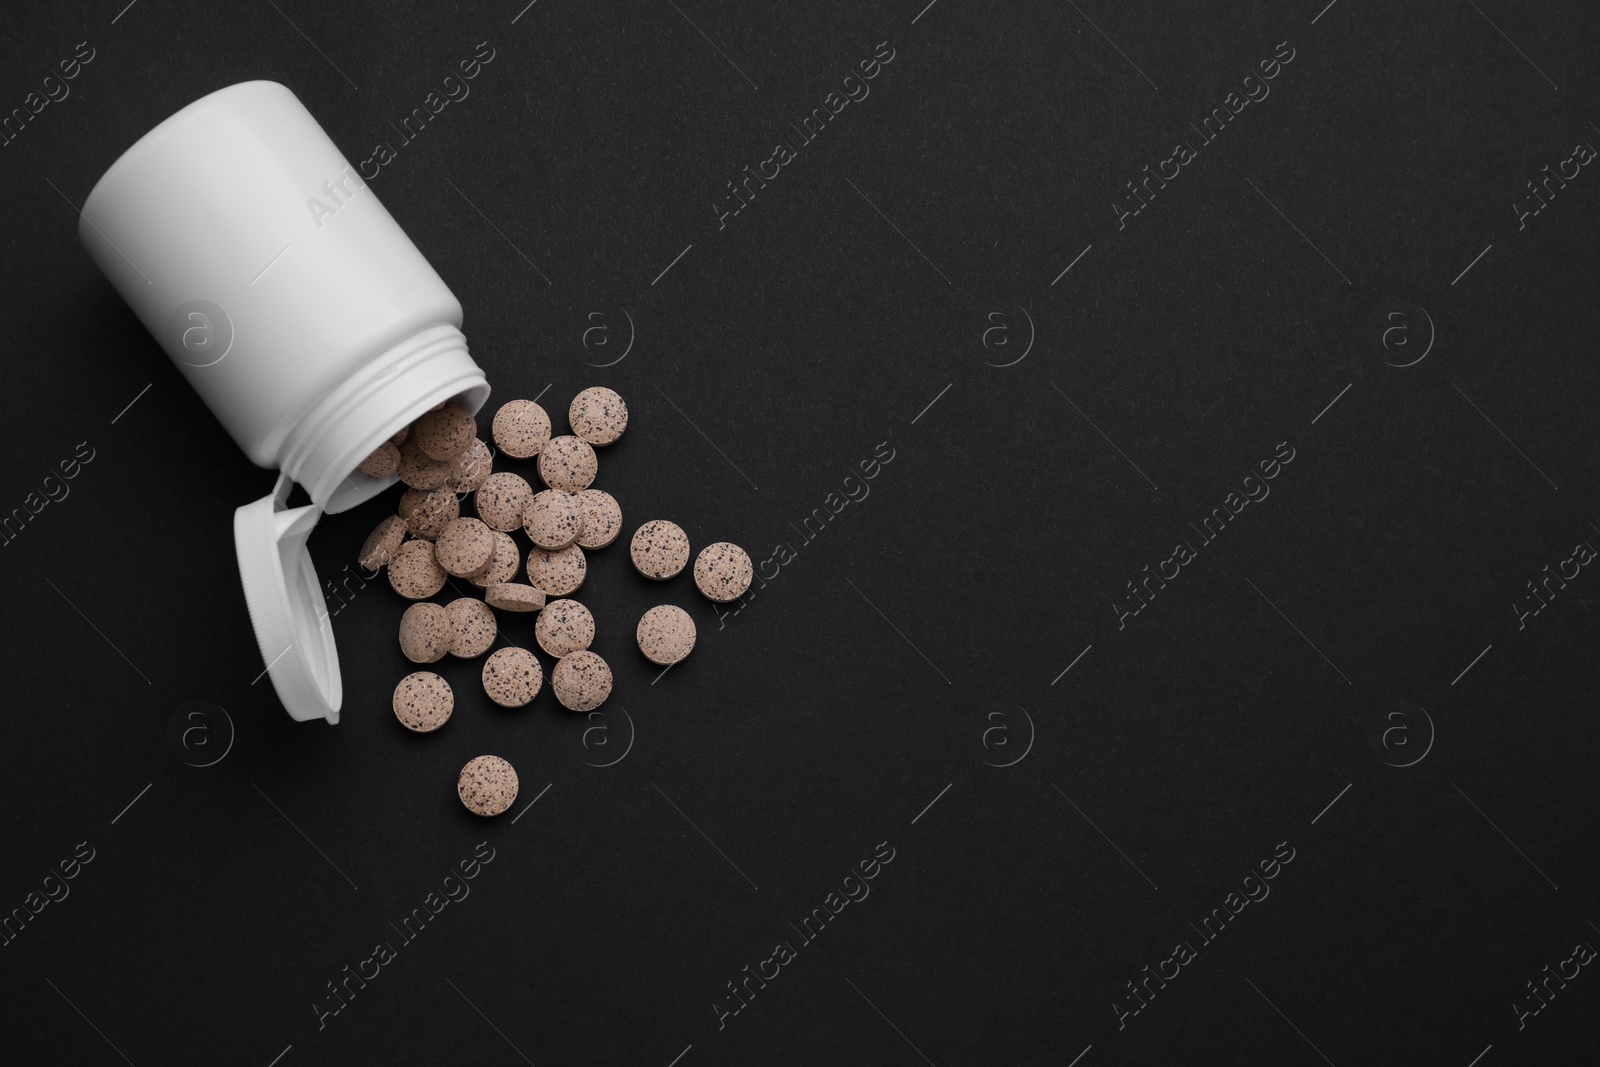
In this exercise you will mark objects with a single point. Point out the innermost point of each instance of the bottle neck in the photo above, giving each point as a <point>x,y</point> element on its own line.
<point>390,391</point>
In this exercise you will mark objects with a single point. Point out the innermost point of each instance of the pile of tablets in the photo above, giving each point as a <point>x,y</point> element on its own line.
<point>428,542</point>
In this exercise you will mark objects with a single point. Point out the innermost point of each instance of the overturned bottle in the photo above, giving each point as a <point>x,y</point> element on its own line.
<point>301,314</point>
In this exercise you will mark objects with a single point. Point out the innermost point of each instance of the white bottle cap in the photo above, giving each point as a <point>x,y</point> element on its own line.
<point>286,603</point>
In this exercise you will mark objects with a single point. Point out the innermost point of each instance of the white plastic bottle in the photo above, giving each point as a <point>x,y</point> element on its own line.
<point>303,316</point>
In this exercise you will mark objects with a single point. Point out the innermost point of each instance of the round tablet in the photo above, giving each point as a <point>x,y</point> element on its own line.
<point>501,500</point>
<point>602,518</point>
<point>558,573</point>
<point>425,633</point>
<point>510,596</point>
<point>443,433</point>
<point>581,681</point>
<point>665,634</point>
<point>659,549</point>
<point>552,519</point>
<point>465,547</point>
<point>400,435</point>
<point>414,573</point>
<point>564,627</point>
<point>382,463</point>
<point>472,627</point>
<point>503,566</point>
<point>598,415</point>
<point>512,677</point>
<point>488,785</point>
<point>568,463</point>
<point>521,429</point>
<point>382,543</point>
<point>420,472</point>
<point>428,511</point>
<point>722,571</point>
<point>423,702</point>
<point>470,468</point>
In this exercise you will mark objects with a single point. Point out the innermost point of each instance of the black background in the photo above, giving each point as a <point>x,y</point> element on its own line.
<point>823,718</point>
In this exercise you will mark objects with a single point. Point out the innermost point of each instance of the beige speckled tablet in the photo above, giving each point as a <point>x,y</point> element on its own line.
<point>659,549</point>
<point>598,415</point>
<point>558,573</point>
<point>511,596</point>
<point>382,543</point>
<point>568,463</point>
<point>512,677</point>
<point>723,571</point>
<point>382,463</point>
<point>414,573</point>
<point>521,429</point>
<point>443,433</point>
<point>428,511</point>
<point>423,702</point>
<point>503,567</point>
<point>420,472</point>
<point>602,518</point>
<point>552,519</point>
<point>470,468</point>
<point>472,627</point>
<point>465,547</point>
<point>665,634</point>
<point>501,500</point>
<point>564,627</point>
<point>488,785</point>
<point>425,633</point>
<point>400,436</point>
<point>581,681</point>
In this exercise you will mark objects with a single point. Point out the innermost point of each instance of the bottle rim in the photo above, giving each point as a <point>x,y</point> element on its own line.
<point>392,390</point>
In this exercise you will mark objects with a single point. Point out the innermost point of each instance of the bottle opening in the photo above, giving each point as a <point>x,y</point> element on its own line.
<point>389,393</point>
